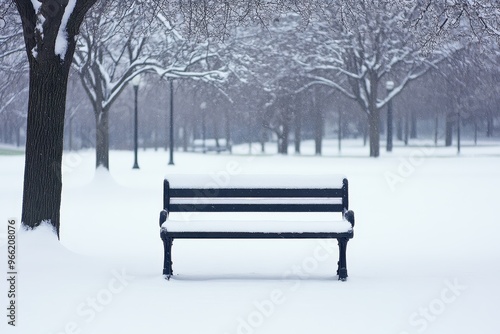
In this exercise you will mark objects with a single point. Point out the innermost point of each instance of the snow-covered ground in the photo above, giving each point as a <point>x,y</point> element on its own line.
<point>425,257</point>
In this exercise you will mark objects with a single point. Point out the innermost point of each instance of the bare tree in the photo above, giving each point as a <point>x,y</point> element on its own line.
<point>360,49</point>
<point>115,46</point>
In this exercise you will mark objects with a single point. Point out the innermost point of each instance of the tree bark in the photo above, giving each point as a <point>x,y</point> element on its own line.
<point>44,143</point>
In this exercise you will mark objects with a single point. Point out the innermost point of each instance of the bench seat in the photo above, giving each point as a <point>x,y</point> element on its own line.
<point>252,226</point>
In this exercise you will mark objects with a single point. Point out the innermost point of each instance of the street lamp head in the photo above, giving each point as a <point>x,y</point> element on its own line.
<point>389,85</point>
<point>136,80</point>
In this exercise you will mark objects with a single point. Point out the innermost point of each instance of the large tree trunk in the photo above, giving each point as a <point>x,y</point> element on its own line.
<point>102,139</point>
<point>46,107</point>
<point>373,124</point>
<point>44,143</point>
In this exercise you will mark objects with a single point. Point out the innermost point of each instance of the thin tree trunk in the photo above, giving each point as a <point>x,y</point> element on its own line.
<point>399,129</point>
<point>340,130</point>
<point>436,129</point>
<point>4,131</point>
<point>18,136</point>
<point>102,139</point>
<point>297,130</point>
<point>263,139</point>
<point>318,130</point>
<point>228,131</point>
<point>449,130</point>
<point>413,129</point>
<point>10,135</point>
<point>475,130</point>
<point>459,131</point>
<point>185,137</point>
<point>284,137</point>
<point>407,127</point>
<point>70,125</point>
<point>365,134</point>
<point>216,134</point>
<point>489,124</point>
<point>373,123</point>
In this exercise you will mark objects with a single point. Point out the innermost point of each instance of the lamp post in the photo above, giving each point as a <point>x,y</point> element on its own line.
<point>171,161</point>
<point>203,106</point>
<point>135,82</point>
<point>389,85</point>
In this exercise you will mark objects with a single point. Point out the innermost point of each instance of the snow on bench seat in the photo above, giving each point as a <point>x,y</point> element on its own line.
<point>265,226</point>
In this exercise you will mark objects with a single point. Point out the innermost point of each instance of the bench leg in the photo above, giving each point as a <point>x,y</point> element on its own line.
<point>342,264</point>
<point>167,259</point>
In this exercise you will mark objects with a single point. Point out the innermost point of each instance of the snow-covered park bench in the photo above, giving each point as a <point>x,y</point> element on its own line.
<point>210,145</point>
<point>240,207</point>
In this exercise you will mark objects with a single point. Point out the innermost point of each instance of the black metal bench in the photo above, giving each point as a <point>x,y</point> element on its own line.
<point>210,198</point>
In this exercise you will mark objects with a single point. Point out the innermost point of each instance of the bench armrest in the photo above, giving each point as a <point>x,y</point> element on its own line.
<point>349,216</point>
<point>163,216</point>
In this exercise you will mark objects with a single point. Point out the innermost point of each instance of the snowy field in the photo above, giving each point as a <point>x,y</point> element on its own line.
<point>425,257</point>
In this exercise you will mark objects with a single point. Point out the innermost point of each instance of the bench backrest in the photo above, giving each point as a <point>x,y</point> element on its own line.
<point>256,199</point>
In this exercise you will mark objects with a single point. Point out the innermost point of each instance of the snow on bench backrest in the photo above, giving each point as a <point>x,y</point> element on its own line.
<point>256,193</point>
